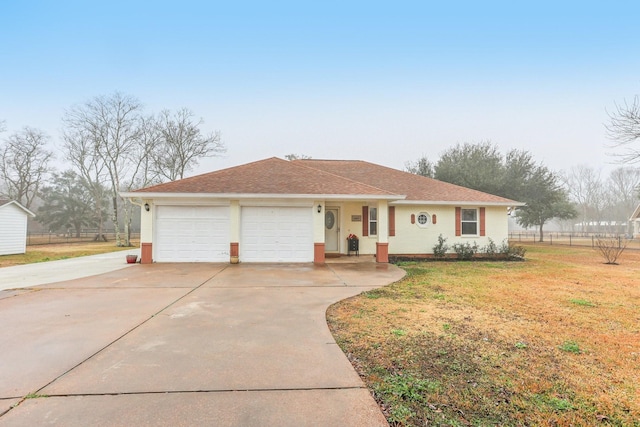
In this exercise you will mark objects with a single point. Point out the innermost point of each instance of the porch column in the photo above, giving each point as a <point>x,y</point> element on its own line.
<point>318,231</point>
<point>382,245</point>
<point>234,231</point>
<point>146,233</point>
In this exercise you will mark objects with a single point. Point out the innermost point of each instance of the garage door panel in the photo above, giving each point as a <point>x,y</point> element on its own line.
<point>276,234</point>
<point>192,234</point>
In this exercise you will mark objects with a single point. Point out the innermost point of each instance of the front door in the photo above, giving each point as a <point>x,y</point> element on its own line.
<point>331,230</point>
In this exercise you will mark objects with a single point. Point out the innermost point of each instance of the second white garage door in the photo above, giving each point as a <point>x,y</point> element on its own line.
<point>192,234</point>
<point>276,234</point>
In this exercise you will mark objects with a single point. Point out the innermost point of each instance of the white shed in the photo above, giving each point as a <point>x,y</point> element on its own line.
<point>13,227</point>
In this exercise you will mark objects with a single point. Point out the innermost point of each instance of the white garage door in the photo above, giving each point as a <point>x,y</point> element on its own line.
<point>276,234</point>
<point>192,234</point>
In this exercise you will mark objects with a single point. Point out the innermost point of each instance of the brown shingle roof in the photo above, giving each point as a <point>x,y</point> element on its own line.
<point>415,187</point>
<point>275,176</point>
<point>269,176</point>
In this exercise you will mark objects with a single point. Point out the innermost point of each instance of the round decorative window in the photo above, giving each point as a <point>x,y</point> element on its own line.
<point>329,220</point>
<point>422,219</point>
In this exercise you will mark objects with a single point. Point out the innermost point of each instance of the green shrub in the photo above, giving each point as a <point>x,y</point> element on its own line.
<point>465,251</point>
<point>491,250</point>
<point>511,251</point>
<point>440,249</point>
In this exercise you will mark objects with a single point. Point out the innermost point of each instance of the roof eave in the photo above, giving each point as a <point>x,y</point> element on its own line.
<point>459,203</point>
<point>163,195</point>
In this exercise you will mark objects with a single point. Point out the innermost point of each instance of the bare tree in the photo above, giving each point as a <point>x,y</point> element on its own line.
<point>111,125</point>
<point>293,156</point>
<point>80,151</point>
<point>624,129</point>
<point>24,162</point>
<point>586,190</point>
<point>182,144</point>
<point>422,166</point>
<point>623,186</point>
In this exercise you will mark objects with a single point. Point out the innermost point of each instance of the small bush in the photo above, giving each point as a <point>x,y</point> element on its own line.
<point>465,251</point>
<point>611,248</point>
<point>512,251</point>
<point>491,250</point>
<point>440,249</point>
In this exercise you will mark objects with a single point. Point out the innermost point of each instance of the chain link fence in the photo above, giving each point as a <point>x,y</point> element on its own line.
<point>570,239</point>
<point>49,238</point>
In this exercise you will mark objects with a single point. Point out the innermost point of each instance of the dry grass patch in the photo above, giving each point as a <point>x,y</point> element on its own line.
<point>57,251</point>
<point>554,340</point>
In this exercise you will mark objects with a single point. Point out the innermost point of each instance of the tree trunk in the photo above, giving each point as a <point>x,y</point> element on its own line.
<point>116,225</point>
<point>127,222</point>
<point>541,234</point>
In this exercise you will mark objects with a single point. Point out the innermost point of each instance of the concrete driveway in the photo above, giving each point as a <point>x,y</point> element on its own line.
<point>185,344</point>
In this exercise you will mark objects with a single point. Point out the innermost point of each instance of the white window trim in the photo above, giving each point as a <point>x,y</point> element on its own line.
<point>426,224</point>
<point>370,221</point>
<point>477,222</point>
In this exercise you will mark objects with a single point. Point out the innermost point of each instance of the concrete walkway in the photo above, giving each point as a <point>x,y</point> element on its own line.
<point>185,344</point>
<point>21,276</point>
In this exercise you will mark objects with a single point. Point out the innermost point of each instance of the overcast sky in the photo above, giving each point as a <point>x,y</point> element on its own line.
<point>384,82</point>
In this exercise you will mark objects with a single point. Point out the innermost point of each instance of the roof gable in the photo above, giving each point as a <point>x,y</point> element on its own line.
<point>271,176</point>
<point>415,187</point>
<point>4,203</point>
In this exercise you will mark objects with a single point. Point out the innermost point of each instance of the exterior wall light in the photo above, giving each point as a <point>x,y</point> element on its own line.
<point>146,207</point>
<point>319,208</point>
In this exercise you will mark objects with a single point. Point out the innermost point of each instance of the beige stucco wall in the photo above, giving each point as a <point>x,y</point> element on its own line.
<point>409,238</point>
<point>348,226</point>
<point>413,239</point>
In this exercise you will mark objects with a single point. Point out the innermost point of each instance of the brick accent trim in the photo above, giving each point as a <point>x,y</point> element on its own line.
<point>458,221</point>
<point>483,230</point>
<point>382,252</point>
<point>234,249</point>
<point>318,253</point>
<point>146,253</point>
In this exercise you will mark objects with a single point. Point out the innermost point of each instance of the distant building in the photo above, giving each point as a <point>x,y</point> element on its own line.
<point>635,220</point>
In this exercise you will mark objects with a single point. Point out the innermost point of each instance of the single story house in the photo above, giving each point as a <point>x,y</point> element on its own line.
<point>13,227</point>
<point>276,210</point>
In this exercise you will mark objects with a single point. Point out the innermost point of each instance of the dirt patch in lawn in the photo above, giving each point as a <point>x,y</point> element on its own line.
<point>57,251</point>
<point>554,340</point>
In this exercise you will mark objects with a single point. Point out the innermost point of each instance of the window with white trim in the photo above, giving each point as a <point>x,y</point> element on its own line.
<point>422,219</point>
<point>373,221</point>
<point>469,222</point>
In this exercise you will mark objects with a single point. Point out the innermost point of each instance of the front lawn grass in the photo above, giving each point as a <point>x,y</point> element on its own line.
<point>554,340</point>
<point>42,253</point>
